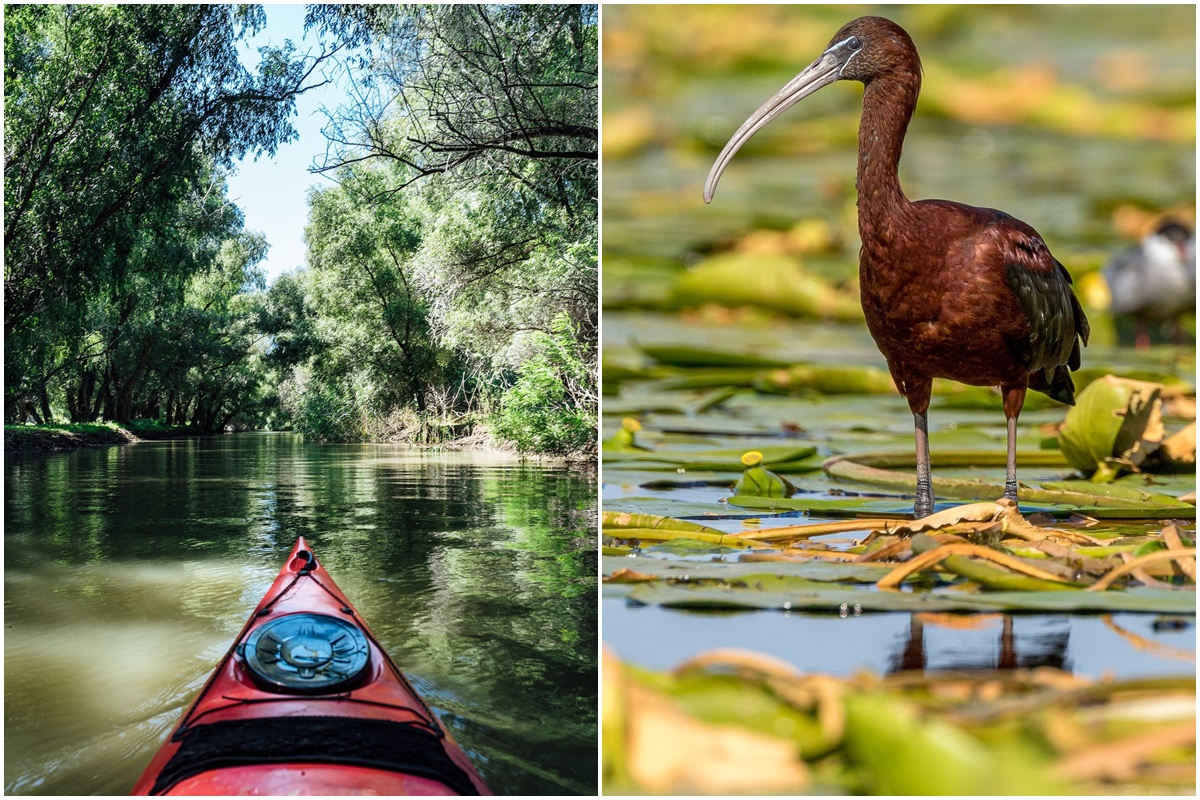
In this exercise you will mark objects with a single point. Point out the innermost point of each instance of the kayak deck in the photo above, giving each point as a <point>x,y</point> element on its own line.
<point>306,701</point>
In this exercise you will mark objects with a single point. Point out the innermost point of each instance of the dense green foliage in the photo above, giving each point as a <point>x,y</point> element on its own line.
<point>546,411</point>
<point>453,260</point>
<point>453,265</point>
<point>126,268</point>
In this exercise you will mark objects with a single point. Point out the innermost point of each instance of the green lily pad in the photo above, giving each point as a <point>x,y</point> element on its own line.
<point>1114,425</point>
<point>669,534</point>
<point>667,402</point>
<point>750,571</point>
<point>815,597</point>
<point>826,379</point>
<point>830,507</point>
<point>1095,499</point>
<point>709,378</point>
<point>822,598</point>
<point>906,752</point>
<point>684,355</point>
<point>621,520</point>
<point>780,458</point>
<point>778,283</point>
<point>1131,495</point>
<point>667,506</point>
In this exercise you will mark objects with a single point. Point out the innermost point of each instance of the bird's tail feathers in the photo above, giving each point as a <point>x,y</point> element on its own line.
<point>1055,382</point>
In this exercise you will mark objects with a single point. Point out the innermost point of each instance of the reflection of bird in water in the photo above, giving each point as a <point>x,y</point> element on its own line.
<point>1040,647</point>
<point>948,290</point>
<point>1155,282</point>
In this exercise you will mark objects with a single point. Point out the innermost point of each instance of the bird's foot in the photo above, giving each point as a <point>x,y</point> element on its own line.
<point>1010,490</point>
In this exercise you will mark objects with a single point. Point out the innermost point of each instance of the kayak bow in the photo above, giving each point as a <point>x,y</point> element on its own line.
<point>307,702</point>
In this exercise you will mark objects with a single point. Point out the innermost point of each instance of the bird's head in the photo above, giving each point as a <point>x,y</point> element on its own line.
<point>864,49</point>
<point>869,47</point>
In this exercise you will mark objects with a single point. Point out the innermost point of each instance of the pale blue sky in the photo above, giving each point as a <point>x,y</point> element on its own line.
<point>272,191</point>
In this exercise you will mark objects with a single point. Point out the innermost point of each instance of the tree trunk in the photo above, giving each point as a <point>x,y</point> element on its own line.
<point>125,395</point>
<point>27,410</point>
<point>101,397</point>
<point>44,400</point>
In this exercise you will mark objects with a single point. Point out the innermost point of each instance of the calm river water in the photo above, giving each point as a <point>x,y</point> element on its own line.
<point>129,570</point>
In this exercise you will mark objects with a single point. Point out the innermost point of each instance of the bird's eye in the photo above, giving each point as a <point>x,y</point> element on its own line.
<point>854,43</point>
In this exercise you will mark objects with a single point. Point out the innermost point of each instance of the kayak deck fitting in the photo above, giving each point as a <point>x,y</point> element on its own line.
<point>306,701</point>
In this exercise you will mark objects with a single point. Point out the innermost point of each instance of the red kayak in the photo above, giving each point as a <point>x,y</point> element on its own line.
<point>307,702</point>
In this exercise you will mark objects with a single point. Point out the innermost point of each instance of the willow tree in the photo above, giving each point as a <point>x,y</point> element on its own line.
<point>484,118</point>
<point>113,115</point>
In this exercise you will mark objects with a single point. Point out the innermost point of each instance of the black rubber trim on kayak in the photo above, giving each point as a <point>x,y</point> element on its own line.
<point>373,743</point>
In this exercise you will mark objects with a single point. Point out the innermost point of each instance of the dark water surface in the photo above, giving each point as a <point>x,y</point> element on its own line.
<point>129,570</point>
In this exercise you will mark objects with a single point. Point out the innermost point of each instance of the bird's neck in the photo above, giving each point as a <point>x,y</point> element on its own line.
<point>888,104</point>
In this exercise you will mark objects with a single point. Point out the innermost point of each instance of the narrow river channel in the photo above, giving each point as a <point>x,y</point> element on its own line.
<point>129,570</point>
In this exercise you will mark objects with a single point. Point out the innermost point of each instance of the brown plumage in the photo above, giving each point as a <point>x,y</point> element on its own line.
<point>948,290</point>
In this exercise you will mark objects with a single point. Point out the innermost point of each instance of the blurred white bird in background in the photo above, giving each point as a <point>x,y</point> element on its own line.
<point>1155,282</point>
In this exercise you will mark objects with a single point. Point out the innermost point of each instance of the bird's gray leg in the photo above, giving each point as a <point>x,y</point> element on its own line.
<point>1010,477</point>
<point>1014,401</point>
<point>923,507</point>
<point>917,393</point>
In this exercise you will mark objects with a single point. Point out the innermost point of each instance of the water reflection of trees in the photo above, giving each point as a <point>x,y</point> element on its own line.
<point>479,578</point>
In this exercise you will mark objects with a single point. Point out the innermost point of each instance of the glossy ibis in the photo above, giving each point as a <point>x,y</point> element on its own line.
<point>949,290</point>
<point>1155,281</point>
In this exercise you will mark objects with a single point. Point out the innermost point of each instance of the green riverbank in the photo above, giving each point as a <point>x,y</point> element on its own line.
<point>72,436</point>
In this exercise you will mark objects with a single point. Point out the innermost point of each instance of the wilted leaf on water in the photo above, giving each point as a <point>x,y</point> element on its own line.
<point>986,732</point>
<point>1004,512</point>
<point>723,698</point>
<point>1115,424</point>
<point>698,732</point>
<point>1005,572</point>
<point>1118,760</point>
<point>1177,453</point>
<point>778,283</point>
<point>1186,554</point>
<point>1173,541</point>
<point>620,519</point>
<point>671,752</point>
<point>626,575</point>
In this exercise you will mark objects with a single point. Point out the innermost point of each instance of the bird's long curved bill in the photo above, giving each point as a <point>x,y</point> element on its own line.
<point>821,72</point>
